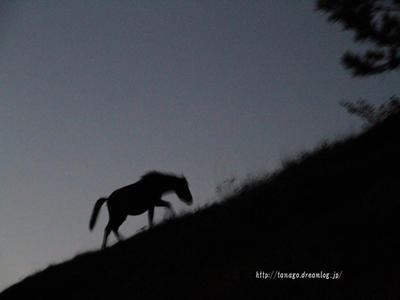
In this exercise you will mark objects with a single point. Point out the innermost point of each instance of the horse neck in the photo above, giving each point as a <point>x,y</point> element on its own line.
<point>168,184</point>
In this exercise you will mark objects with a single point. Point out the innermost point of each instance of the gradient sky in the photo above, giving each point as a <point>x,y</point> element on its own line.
<point>95,93</point>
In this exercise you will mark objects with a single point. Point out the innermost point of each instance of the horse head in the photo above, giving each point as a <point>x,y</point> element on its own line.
<point>183,192</point>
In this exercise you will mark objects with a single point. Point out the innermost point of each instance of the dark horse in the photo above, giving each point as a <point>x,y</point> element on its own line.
<point>139,197</point>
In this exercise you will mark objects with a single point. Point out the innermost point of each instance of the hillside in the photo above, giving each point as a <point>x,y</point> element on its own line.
<point>335,209</point>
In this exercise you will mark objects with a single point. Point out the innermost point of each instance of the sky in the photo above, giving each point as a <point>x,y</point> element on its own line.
<point>94,93</point>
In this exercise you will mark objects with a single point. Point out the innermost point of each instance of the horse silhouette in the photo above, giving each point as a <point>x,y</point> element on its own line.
<point>139,197</point>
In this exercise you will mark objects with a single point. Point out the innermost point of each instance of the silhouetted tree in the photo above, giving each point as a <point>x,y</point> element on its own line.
<point>374,21</point>
<point>371,114</point>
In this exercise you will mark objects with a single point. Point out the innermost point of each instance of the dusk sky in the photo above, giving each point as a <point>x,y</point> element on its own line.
<point>93,94</point>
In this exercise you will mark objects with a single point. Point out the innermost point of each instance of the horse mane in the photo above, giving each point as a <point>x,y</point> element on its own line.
<point>155,175</point>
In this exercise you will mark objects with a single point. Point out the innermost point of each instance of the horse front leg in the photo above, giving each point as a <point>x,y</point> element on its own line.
<point>151,215</point>
<point>119,236</point>
<point>163,203</point>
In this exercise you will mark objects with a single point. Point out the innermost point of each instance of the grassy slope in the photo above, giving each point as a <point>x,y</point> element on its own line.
<point>334,209</point>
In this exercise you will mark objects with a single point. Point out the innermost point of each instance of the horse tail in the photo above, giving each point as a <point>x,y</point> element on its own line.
<point>95,212</point>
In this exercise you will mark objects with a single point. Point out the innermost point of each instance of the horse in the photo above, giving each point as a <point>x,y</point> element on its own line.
<point>139,197</point>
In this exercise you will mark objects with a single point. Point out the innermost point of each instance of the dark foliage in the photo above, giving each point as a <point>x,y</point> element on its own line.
<point>336,208</point>
<point>374,21</point>
<point>369,113</point>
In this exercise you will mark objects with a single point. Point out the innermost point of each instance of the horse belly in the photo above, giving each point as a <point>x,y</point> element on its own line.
<point>136,206</point>
<point>135,210</point>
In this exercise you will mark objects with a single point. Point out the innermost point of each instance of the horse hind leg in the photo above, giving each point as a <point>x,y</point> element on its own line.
<point>117,222</point>
<point>113,224</point>
<point>107,231</point>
